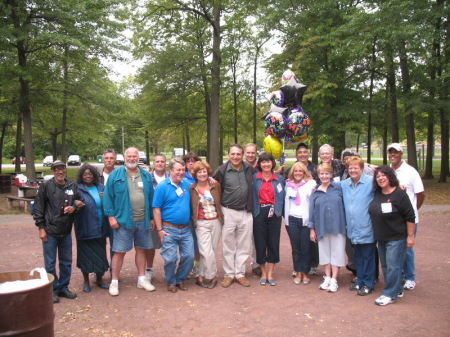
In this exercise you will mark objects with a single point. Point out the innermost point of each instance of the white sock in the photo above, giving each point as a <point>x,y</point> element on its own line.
<point>141,278</point>
<point>114,281</point>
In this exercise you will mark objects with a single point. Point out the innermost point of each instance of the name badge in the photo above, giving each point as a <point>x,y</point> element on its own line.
<point>140,184</point>
<point>208,196</point>
<point>179,191</point>
<point>279,188</point>
<point>386,207</point>
<point>69,192</point>
<point>337,179</point>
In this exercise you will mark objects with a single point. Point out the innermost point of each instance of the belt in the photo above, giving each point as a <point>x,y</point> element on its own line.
<point>265,205</point>
<point>165,223</point>
<point>236,208</point>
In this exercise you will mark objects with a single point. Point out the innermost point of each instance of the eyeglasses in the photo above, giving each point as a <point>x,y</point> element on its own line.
<point>88,175</point>
<point>59,169</point>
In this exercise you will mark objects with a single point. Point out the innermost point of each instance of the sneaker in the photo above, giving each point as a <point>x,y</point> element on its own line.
<point>294,273</point>
<point>193,273</point>
<point>227,282</point>
<point>365,290</point>
<point>55,298</point>
<point>244,282</point>
<point>149,274</point>
<point>326,283</point>
<point>333,287</point>
<point>314,271</point>
<point>409,285</point>
<point>355,287</point>
<point>145,283</point>
<point>401,294</point>
<point>297,280</point>
<point>383,300</point>
<point>114,289</point>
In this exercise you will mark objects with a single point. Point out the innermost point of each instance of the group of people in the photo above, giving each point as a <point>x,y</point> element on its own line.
<point>186,211</point>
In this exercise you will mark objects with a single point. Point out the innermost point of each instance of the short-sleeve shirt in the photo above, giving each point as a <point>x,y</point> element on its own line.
<point>174,201</point>
<point>409,177</point>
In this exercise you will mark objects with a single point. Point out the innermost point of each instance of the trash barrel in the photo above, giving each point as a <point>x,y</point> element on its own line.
<point>5,183</point>
<point>27,312</point>
<point>99,158</point>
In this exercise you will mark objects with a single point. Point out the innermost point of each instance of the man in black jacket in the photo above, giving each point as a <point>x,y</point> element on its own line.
<point>56,202</point>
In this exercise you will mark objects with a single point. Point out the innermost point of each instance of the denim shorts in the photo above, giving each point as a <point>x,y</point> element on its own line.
<point>124,238</point>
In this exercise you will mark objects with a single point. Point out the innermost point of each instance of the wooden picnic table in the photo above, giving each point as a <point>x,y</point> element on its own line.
<point>22,190</point>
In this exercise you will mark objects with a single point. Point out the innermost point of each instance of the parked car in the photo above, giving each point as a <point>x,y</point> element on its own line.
<point>22,160</point>
<point>48,160</point>
<point>120,160</point>
<point>142,157</point>
<point>73,160</point>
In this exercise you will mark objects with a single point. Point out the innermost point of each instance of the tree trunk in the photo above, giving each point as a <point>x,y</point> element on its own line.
<point>2,141</point>
<point>65,107</point>
<point>213,134</point>
<point>18,152</point>
<point>392,96</point>
<point>407,99</point>
<point>369,112</point>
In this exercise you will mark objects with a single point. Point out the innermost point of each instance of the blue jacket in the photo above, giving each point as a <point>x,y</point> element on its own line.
<point>356,203</point>
<point>87,223</point>
<point>116,200</point>
<point>279,194</point>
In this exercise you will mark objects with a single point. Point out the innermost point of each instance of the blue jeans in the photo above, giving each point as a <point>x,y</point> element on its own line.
<point>364,257</point>
<point>409,270</point>
<point>62,246</point>
<point>179,239</point>
<point>392,257</point>
<point>299,237</point>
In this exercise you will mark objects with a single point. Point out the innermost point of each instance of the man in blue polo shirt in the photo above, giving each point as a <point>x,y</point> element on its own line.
<point>171,211</point>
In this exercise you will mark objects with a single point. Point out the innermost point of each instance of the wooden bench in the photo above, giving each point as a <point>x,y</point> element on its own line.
<point>26,202</point>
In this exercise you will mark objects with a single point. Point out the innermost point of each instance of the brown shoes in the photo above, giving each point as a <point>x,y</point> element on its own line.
<point>182,286</point>
<point>243,281</point>
<point>227,282</point>
<point>171,288</point>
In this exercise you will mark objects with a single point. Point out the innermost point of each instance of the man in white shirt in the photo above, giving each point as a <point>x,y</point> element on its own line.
<point>410,178</point>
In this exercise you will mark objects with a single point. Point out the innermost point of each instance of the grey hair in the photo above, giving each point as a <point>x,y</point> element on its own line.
<point>174,161</point>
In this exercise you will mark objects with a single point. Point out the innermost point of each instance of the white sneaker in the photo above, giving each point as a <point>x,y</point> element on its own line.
<point>114,289</point>
<point>145,283</point>
<point>384,300</point>
<point>297,280</point>
<point>326,283</point>
<point>149,274</point>
<point>409,285</point>
<point>333,287</point>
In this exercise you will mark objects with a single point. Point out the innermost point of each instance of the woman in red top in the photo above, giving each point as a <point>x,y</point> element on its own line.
<point>207,219</point>
<point>268,200</point>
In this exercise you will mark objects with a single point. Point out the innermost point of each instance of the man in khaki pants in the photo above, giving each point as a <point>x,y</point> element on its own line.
<point>235,177</point>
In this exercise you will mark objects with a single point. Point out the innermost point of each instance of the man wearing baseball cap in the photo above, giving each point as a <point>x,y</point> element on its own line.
<point>56,202</point>
<point>410,178</point>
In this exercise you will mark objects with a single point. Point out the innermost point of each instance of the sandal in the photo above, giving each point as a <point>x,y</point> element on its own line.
<point>272,282</point>
<point>212,284</point>
<point>200,283</point>
<point>263,281</point>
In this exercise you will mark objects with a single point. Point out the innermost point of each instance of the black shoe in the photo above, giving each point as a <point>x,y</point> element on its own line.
<point>67,294</point>
<point>355,287</point>
<point>353,270</point>
<point>55,298</point>
<point>365,290</point>
<point>257,271</point>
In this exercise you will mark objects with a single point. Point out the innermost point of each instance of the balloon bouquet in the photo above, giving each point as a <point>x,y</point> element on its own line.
<point>286,122</point>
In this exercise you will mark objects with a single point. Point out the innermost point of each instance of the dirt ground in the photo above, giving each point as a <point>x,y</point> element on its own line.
<point>284,310</point>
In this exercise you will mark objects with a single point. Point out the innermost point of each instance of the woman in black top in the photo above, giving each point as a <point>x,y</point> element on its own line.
<point>393,226</point>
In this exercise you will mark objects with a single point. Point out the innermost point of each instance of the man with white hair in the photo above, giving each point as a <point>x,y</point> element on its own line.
<point>127,203</point>
<point>326,156</point>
